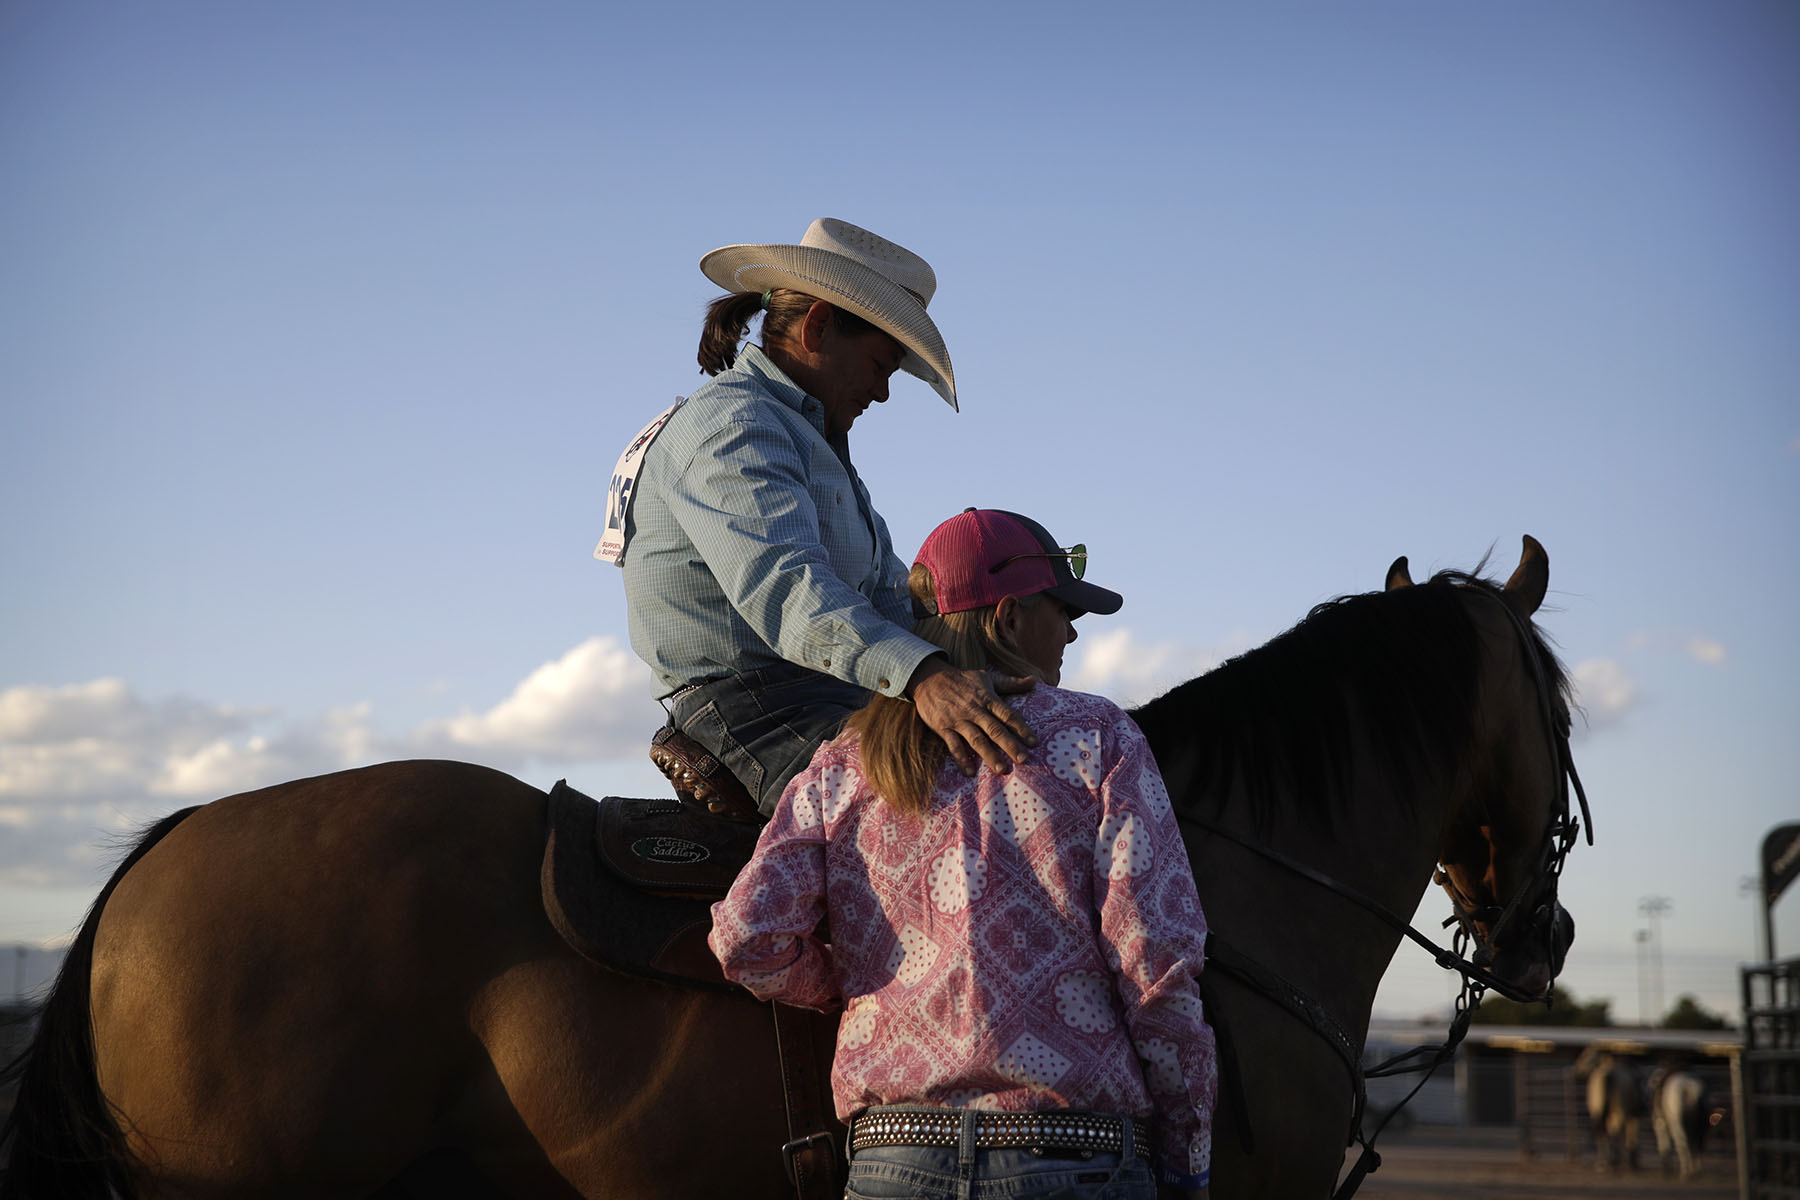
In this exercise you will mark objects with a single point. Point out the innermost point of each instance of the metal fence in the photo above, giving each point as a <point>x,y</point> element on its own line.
<point>1769,1082</point>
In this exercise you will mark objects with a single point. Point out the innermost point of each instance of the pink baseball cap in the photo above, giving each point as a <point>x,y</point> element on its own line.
<point>981,555</point>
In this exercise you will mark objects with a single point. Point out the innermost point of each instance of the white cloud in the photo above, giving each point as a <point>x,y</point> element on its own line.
<point>82,764</point>
<point>1697,646</point>
<point>1706,650</point>
<point>84,737</point>
<point>341,738</point>
<point>1117,665</point>
<point>98,739</point>
<point>75,767</point>
<point>1605,690</point>
<point>593,702</point>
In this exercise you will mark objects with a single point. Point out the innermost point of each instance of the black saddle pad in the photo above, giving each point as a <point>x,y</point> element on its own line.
<point>672,848</point>
<point>630,883</point>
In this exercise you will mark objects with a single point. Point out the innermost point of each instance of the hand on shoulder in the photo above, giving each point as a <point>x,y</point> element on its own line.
<point>965,708</point>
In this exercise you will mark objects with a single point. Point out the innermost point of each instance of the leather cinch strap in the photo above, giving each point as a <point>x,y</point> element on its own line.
<point>811,1154</point>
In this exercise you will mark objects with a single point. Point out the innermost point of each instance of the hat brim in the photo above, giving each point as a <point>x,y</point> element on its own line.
<point>842,281</point>
<point>1085,597</point>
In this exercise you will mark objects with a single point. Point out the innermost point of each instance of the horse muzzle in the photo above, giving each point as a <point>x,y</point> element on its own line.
<point>1531,963</point>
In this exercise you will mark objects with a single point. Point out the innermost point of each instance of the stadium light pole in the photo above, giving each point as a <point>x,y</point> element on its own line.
<point>1642,938</point>
<point>1655,908</point>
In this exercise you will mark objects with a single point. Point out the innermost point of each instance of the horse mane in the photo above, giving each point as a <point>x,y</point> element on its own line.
<point>1400,665</point>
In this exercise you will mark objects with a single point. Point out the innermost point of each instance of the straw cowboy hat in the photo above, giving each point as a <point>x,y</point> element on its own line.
<point>886,285</point>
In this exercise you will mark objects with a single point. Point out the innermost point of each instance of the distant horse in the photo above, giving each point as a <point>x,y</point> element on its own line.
<point>347,986</point>
<point>1678,1114</point>
<point>1616,1101</point>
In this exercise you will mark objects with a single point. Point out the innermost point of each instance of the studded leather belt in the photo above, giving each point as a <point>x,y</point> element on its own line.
<point>1098,1133</point>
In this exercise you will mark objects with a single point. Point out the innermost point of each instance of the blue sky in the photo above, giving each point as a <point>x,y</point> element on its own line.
<point>321,327</point>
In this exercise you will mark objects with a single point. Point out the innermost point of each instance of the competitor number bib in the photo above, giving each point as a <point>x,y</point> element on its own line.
<point>618,497</point>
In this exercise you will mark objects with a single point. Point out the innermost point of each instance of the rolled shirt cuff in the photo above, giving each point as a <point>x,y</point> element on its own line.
<point>886,666</point>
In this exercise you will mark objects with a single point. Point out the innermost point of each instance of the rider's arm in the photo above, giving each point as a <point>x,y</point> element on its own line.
<point>749,502</point>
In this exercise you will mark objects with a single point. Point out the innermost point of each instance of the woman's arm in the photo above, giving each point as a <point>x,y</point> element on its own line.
<point>1154,933</point>
<point>765,930</point>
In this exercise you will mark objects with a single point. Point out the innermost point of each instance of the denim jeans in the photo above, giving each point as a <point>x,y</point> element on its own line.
<point>765,724</point>
<point>965,1173</point>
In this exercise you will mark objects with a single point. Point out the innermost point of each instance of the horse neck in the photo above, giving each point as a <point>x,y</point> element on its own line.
<point>1296,1089</point>
<point>1379,836</point>
<point>1375,818</point>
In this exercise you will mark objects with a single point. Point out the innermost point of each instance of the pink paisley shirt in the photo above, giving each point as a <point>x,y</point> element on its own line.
<point>1030,942</point>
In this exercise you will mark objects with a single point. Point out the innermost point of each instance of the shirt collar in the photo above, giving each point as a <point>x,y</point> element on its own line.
<point>752,361</point>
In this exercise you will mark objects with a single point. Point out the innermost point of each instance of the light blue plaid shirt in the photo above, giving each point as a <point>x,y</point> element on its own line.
<point>751,541</point>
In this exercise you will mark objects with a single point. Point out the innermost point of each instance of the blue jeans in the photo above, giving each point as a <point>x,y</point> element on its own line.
<point>965,1173</point>
<point>765,724</point>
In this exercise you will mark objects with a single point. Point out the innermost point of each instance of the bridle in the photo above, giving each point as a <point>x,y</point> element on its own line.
<point>1560,835</point>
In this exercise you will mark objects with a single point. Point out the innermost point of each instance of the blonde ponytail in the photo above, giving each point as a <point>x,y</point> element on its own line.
<point>901,756</point>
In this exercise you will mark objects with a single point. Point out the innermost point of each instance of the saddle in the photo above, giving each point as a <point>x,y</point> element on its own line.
<point>630,883</point>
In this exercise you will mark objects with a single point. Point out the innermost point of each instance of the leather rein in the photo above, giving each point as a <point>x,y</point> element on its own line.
<point>1560,836</point>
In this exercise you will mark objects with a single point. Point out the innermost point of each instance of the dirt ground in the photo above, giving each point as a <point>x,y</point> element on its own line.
<point>1485,1164</point>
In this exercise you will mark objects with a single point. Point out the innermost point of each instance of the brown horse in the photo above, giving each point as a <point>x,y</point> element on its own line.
<point>347,986</point>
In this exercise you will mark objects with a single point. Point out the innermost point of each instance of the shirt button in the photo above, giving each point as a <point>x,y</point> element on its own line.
<point>884,685</point>
<point>840,497</point>
<point>827,662</point>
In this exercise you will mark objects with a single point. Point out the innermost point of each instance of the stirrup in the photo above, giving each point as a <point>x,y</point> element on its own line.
<point>698,775</point>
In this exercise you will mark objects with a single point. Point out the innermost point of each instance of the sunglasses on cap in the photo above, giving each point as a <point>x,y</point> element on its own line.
<point>1076,554</point>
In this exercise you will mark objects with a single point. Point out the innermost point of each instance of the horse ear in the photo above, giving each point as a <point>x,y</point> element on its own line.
<point>1525,590</point>
<point>1398,576</point>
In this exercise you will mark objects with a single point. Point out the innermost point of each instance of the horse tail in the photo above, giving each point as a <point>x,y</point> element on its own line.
<point>1694,1115</point>
<point>61,1132</point>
